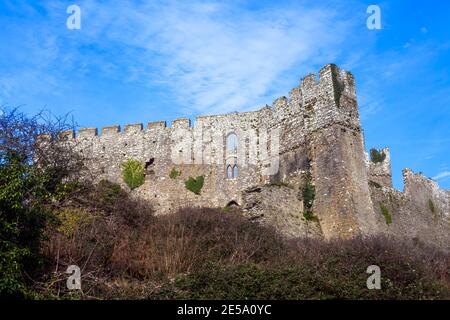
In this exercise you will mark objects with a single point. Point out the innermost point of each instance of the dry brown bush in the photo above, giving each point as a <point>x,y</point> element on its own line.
<point>125,251</point>
<point>122,239</point>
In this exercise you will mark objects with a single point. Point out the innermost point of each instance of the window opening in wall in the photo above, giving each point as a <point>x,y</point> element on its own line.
<point>149,167</point>
<point>232,171</point>
<point>229,172</point>
<point>232,143</point>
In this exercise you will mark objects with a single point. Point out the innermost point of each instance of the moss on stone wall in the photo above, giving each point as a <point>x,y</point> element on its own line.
<point>385,212</point>
<point>195,185</point>
<point>377,156</point>
<point>308,193</point>
<point>310,216</point>
<point>174,173</point>
<point>432,208</point>
<point>338,86</point>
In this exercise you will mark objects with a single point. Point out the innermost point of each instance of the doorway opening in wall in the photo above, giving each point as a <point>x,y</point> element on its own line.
<point>149,162</point>
<point>232,204</point>
<point>149,167</point>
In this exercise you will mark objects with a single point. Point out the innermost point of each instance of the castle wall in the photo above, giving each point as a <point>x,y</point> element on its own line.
<point>421,212</point>
<point>279,205</point>
<point>198,150</point>
<point>313,132</point>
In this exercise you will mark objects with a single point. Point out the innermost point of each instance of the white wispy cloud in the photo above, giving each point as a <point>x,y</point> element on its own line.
<point>208,56</point>
<point>215,57</point>
<point>442,175</point>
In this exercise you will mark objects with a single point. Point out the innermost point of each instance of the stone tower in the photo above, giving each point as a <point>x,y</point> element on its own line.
<point>336,152</point>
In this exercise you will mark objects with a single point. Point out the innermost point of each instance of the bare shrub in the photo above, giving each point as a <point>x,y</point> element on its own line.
<point>183,241</point>
<point>125,251</point>
<point>124,240</point>
<point>318,269</point>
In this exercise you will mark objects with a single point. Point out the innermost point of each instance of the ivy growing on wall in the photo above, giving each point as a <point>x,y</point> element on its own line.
<point>309,193</point>
<point>432,208</point>
<point>310,216</point>
<point>338,86</point>
<point>174,173</point>
<point>133,173</point>
<point>195,185</point>
<point>377,156</point>
<point>385,212</point>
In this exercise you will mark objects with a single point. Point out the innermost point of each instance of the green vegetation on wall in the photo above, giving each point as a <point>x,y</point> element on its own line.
<point>174,173</point>
<point>386,214</point>
<point>309,193</point>
<point>374,184</point>
<point>280,184</point>
<point>133,173</point>
<point>338,86</point>
<point>309,216</point>
<point>195,185</point>
<point>432,207</point>
<point>377,156</point>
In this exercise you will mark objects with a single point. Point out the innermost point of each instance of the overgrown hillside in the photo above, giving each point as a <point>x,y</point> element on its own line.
<point>51,218</point>
<point>126,252</point>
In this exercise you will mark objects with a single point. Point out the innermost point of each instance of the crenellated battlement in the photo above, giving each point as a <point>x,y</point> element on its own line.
<point>110,130</point>
<point>380,172</point>
<point>330,75</point>
<point>302,100</point>
<point>418,186</point>
<point>184,123</point>
<point>157,124</point>
<point>133,128</point>
<point>329,99</point>
<point>87,133</point>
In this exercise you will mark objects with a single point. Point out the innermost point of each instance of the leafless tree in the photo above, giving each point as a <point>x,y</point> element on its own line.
<point>40,141</point>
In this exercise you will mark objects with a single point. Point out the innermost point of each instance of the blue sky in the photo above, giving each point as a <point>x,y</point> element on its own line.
<point>139,61</point>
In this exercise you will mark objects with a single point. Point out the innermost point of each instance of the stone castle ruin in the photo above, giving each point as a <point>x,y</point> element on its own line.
<point>299,164</point>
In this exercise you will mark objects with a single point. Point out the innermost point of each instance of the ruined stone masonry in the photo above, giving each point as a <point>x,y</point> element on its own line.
<point>299,164</point>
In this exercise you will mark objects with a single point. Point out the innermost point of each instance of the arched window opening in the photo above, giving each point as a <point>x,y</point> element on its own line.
<point>235,171</point>
<point>232,143</point>
<point>229,172</point>
<point>232,171</point>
